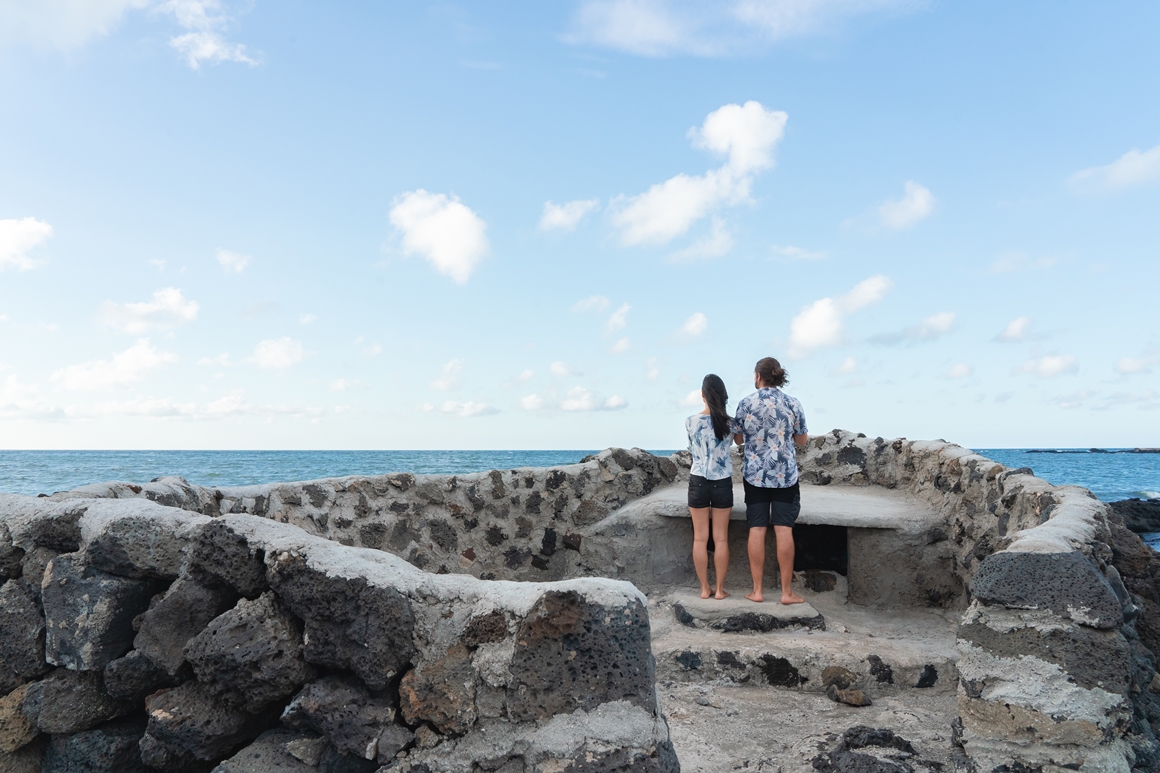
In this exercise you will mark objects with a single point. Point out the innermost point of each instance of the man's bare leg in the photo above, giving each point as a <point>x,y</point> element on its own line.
<point>721,552</point>
<point>756,561</point>
<point>700,516</point>
<point>785,552</point>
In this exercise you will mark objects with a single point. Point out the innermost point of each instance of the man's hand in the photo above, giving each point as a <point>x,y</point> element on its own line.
<point>801,440</point>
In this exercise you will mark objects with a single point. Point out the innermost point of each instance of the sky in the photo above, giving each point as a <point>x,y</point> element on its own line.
<point>400,225</point>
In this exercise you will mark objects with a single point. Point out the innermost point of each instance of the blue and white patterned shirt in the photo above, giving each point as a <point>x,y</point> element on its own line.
<point>711,459</point>
<point>768,419</point>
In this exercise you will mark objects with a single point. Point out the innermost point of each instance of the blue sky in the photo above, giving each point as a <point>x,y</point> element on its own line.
<point>538,225</point>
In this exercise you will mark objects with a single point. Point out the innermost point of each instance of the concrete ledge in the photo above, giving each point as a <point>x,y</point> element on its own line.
<point>738,614</point>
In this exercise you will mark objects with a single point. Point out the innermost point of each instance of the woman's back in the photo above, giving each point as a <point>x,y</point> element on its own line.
<point>711,459</point>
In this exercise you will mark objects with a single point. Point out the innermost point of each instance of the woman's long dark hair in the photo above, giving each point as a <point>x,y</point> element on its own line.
<point>715,396</point>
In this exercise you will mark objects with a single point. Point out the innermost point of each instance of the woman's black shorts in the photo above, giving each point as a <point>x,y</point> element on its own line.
<point>710,493</point>
<point>766,507</point>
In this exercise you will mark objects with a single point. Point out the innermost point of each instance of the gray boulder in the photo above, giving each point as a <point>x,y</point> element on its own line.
<point>344,711</point>
<point>253,653</point>
<point>134,676</point>
<point>89,613</point>
<point>110,748</point>
<point>70,702</point>
<point>191,722</point>
<point>21,636</point>
<point>181,614</point>
<point>272,752</point>
<point>222,557</point>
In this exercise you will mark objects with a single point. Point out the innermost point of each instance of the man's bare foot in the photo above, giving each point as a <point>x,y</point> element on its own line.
<point>755,597</point>
<point>721,595</point>
<point>791,598</point>
<point>705,592</point>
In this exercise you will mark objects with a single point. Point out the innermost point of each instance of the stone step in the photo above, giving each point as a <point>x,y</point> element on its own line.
<point>737,614</point>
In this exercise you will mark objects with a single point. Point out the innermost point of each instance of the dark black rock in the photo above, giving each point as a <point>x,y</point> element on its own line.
<point>138,547</point>
<point>70,702</point>
<point>10,555</point>
<point>753,621</point>
<point>485,629</point>
<point>89,613</point>
<point>33,564</point>
<point>882,672</point>
<point>1139,515</point>
<point>779,672</point>
<point>349,624</point>
<point>192,722</point>
<point>690,661</point>
<point>1060,582</point>
<point>333,761</point>
<point>134,676</point>
<point>393,740</point>
<point>110,748</point>
<point>253,653</point>
<point>21,636</point>
<point>343,710</point>
<point>57,529</point>
<point>182,613</point>
<point>269,753</point>
<point>222,557</point>
<point>571,654</point>
<point>928,677</point>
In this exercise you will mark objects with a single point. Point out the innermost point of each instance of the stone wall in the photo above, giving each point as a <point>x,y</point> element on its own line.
<point>136,634</point>
<point>1050,660</point>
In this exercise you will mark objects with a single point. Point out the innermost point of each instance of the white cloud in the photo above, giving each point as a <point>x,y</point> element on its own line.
<point>449,376</point>
<point>443,230</point>
<point>562,370</point>
<point>695,324</point>
<point>18,238</point>
<point>797,253</point>
<point>204,42</point>
<point>1016,330</point>
<point>820,324</point>
<point>523,376</point>
<point>306,319</point>
<point>580,399</point>
<point>124,368</point>
<point>691,400</point>
<point>916,204</point>
<point>746,134</point>
<point>666,27</point>
<point>1130,366</point>
<point>63,24</point>
<point>278,353</point>
<point>848,367</point>
<point>532,403</point>
<point>1049,366</point>
<point>716,245</point>
<point>222,360</point>
<point>566,216</point>
<point>592,303</point>
<point>168,308</point>
<point>960,370</point>
<point>618,319</point>
<point>621,346</point>
<point>341,385</point>
<point>934,326</point>
<point>652,369</point>
<point>22,401</point>
<point>232,261</point>
<point>1131,169</point>
<point>468,409</point>
<point>156,408</point>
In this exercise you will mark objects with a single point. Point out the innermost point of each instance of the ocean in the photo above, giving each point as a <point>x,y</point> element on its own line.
<point>1110,476</point>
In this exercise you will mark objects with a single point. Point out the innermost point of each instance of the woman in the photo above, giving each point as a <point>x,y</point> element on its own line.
<point>711,482</point>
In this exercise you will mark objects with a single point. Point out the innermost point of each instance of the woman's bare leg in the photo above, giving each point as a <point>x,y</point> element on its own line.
<point>720,516</point>
<point>700,517</point>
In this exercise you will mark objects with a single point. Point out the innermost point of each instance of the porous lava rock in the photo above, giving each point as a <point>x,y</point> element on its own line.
<point>16,729</point>
<point>191,722</point>
<point>70,702</point>
<point>1064,583</point>
<point>21,636</point>
<point>1139,515</point>
<point>441,692</point>
<point>252,653</point>
<point>132,677</point>
<point>343,711</point>
<point>89,613</point>
<point>110,748</point>
<point>271,752</point>
<point>178,616</point>
<point>221,557</point>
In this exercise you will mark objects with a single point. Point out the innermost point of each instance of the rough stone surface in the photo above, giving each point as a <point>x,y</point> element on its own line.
<point>27,759</point>
<point>1065,583</point>
<point>70,702</point>
<point>1139,515</point>
<point>849,697</point>
<point>21,636</point>
<point>394,739</point>
<point>571,654</point>
<point>349,623</point>
<point>220,557</point>
<point>89,613</point>
<point>343,711</point>
<point>16,729</point>
<point>842,678</point>
<point>252,654</point>
<point>191,721</point>
<point>134,676</point>
<point>270,753</point>
<point>110,748</point>
<point>441,692</point>
<point>182,613</point>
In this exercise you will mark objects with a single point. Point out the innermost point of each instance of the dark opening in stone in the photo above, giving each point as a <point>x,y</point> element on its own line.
<point>820,548</point>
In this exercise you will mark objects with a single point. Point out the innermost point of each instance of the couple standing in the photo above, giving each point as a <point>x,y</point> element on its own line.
<point>768,423</point>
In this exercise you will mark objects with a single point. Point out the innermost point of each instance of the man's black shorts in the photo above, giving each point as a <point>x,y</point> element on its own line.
<point>772,506</point>
<point>710,493</point>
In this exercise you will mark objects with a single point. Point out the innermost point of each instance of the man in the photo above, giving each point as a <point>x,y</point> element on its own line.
<point>765,422</point>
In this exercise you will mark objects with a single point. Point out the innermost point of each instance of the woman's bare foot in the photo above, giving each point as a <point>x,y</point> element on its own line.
<point>705,592</point>
<point>721,595</point>
<point>755,596</point>
<point>791,598</point>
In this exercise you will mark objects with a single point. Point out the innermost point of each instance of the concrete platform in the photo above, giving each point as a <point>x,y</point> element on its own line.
<point>864,507</point>
<point>737,614</point>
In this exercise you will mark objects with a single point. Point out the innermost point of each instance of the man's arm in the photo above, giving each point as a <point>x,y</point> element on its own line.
<point>801,440</point>
<point>739,439</point>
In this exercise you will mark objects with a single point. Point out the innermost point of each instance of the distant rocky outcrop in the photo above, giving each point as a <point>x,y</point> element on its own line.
<point>1139,515</point>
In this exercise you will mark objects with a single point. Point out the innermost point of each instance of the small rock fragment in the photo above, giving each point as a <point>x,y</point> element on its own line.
<point>849,697</point>
<point>843,678</point>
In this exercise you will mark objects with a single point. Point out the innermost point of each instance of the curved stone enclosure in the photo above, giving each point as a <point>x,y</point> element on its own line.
<point>390,592</point>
